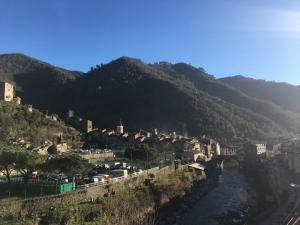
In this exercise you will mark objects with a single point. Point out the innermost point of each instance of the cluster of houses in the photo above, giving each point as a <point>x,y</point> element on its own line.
<point>173,145</point>
<point>291,153</point>
<point>83,125</point>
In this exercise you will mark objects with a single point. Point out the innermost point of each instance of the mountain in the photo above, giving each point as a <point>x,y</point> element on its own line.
<point>35,80</point>
<point>233,95</point>
<point>167,96</point>
<point>152,95</point>
<point>283,94</point>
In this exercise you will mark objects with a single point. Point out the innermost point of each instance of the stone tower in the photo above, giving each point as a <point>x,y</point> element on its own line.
<point>120,128</point>
<point>18,100</point>
<point>86,126</point>
<point>6,91</point>
<point>70,114</point>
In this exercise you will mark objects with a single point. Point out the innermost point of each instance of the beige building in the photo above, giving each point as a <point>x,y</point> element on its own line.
<point>120,128</point>
<point>86,126</point>
<point>6,91</point>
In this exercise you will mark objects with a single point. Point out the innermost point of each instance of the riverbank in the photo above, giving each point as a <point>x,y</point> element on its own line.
<point>270,182</point>
<point>126,205</point>
<point>207,200</point>
<point>255,191</point>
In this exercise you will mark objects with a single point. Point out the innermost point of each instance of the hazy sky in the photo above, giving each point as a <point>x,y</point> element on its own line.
<point>256,38</point>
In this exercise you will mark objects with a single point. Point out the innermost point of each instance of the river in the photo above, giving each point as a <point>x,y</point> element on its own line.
<point>228,192</point>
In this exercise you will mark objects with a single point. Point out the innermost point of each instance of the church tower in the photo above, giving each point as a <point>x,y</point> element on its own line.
<point>120,128</point>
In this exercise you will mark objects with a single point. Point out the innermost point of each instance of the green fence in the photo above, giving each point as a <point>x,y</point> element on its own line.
<point>37,186</point>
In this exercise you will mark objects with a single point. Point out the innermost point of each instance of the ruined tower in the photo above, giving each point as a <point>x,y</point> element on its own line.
<point>6,91</point>
<point>86,126</point>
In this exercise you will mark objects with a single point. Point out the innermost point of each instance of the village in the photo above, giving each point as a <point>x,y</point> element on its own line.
<point>105,149</point>
<point>116,154</point>
<point>109,157</point>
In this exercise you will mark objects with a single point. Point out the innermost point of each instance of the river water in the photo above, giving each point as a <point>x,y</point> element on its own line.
<point>228,192</point>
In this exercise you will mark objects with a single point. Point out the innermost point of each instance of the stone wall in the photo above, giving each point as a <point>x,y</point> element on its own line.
<point>31,205</point>
<point>99,156</point>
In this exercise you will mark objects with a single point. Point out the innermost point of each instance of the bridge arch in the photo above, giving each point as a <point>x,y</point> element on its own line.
<point>222,158</point>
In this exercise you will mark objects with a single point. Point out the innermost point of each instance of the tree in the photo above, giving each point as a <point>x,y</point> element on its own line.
<point>69,165</point>
<point>142,152</point>
<point>8,158</point>
<point>28,162</point>
<point>7,162</point>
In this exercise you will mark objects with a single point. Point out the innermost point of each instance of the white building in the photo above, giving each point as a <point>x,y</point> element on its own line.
<point>261,149</point>
<point>218,149</point>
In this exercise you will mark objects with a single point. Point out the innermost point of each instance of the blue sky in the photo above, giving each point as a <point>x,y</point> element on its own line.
<point>256,38</point>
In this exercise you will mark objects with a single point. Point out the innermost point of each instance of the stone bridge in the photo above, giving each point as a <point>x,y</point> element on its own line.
<point>220,159</point>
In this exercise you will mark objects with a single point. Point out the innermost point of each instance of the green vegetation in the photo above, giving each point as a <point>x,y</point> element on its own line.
<point>36,82</point>
<point>22,162</point>
<point>177,97</point>
<point>270,186</point>
<point>142,152</point>
<point>167,96</point>
<point>120,205</point>
<point>27,162</point>
<point>14,65</point>
<point>282,94</point>
<point>34,128</point>
<point>69,165</point>
<point>7,160</point>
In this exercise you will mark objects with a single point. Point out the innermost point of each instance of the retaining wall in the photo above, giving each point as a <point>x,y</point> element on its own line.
<point>31,205</point>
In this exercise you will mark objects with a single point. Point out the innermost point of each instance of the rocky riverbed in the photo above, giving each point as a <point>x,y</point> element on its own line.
<point>207,201</point>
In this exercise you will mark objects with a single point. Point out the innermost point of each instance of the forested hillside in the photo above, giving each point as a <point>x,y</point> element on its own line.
<point>283,94</point>
<point>36,82</point>
<point>202,81</point>
<point>34,128</point>
<point>167,96</point>
<point>146,96</point>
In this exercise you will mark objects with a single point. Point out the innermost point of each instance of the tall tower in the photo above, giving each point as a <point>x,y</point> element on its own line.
<point>6,91</point>
<point>120,128</point>
<point>86,126</point>
<point>70,114</point>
